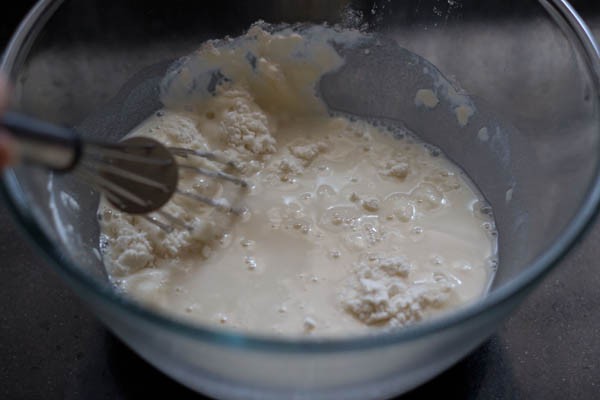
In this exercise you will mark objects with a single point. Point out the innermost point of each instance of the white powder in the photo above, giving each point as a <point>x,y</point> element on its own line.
<point>427,98</point>
<point>244,126</point>
<point>463,114</point>
<point>382,294</point>
<point>308,152</point>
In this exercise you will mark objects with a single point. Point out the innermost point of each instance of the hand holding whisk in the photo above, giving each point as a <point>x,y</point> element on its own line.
<point>137,175</point>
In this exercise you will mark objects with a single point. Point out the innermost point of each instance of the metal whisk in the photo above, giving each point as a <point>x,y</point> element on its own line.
<point>137,175</point>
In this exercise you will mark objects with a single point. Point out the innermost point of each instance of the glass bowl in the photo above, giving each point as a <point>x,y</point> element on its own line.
<point>530,67</point>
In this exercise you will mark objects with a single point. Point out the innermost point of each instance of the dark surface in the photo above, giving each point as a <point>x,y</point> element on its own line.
<point>52,348</point>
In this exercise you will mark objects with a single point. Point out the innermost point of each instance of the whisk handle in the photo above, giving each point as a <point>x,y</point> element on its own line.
<point>40,142</point>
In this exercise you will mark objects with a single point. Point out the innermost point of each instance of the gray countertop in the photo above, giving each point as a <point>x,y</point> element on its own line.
<point>51,347</point>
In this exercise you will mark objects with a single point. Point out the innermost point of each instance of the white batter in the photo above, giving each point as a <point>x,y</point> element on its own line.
<point>348,227</point>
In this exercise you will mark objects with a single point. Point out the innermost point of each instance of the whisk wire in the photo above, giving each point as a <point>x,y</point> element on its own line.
<point>221,205</point>
<point>119,153</point>
<point>174,220</point>
<point>215,174</point>
<point>153,220</point>
<point>183,152</point>
<point>103,167</point>
<point>109,186</point>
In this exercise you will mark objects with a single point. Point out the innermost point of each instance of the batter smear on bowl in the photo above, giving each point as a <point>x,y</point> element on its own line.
<point>350,226</point>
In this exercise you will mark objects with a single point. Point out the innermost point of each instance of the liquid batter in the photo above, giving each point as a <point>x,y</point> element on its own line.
<point>350,226</point>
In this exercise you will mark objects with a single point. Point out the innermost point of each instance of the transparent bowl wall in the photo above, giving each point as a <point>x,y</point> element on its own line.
<point>530,67</point>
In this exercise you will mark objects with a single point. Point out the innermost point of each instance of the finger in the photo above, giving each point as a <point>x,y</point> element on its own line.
<point>4,88</point>
<point>7,153</point>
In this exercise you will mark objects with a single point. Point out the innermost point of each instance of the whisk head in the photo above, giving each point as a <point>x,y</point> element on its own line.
<point>140,175</point>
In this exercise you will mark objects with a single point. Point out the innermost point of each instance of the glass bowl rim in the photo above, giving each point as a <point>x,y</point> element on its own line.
<point>541,265</point>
